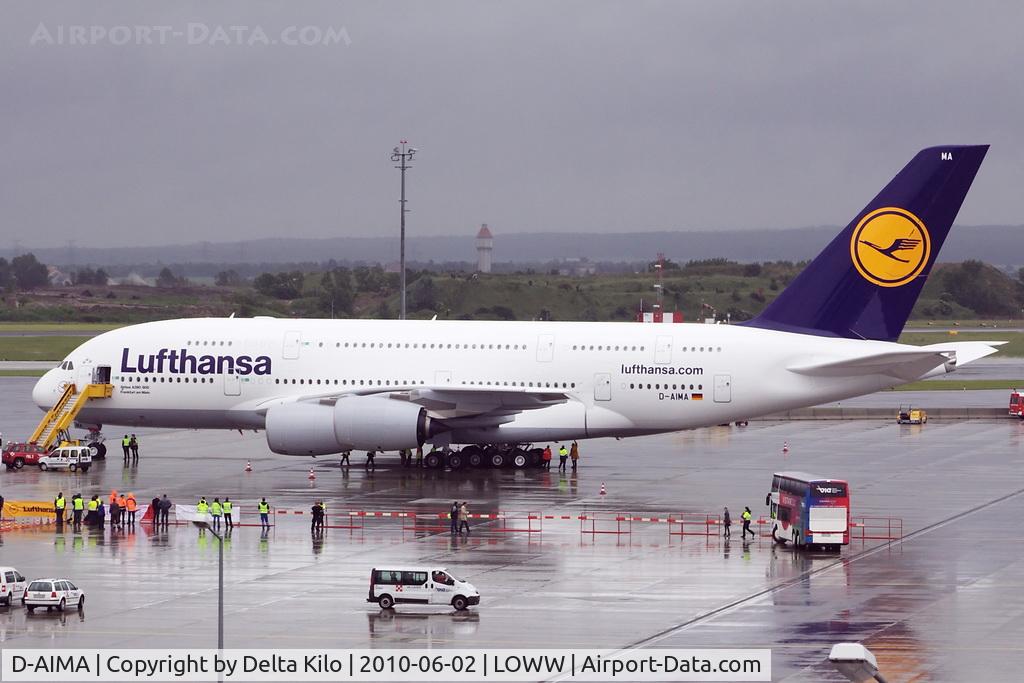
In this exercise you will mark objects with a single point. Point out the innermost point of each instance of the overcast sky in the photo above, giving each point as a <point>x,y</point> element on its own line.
<point>529,116</point>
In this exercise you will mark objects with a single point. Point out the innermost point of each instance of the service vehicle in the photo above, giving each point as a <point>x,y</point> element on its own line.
<point>50,593</point>
<point>420,586</point>
<point>911,416</point>
<point>1016,404</point>
<point>18,454</point>
<point>70,457</point>
<point>12,586</point>
<point>809,510</point>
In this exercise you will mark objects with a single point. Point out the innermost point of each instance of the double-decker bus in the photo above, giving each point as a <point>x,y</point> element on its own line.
<point>808,510</point>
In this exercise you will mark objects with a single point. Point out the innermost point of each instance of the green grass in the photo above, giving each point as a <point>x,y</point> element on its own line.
<point>69,328</point>
<point>953,385</point>
<point>38,348</point>
<point>22,373</point>
<point>1014,347</point>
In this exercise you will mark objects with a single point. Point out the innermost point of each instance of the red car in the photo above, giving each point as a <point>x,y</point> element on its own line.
<point>17,455</point>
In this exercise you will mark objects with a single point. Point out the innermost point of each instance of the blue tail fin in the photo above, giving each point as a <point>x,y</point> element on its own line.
<point>866,281</point>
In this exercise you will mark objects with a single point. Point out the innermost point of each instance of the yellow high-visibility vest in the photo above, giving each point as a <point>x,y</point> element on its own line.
<point>264,507</point>
<point>60,502</point>
<point>217,509</point>
<point>78,503</point>
<point>227,507</point>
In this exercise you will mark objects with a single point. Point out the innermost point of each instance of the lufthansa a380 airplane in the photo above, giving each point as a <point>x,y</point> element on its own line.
<point>324,386</point>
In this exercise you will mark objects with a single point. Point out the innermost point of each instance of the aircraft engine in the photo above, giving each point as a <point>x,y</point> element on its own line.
<point>353,422</point>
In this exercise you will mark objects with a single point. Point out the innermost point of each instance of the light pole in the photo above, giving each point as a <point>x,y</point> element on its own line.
<point>403,155</point>
<point>220,583</point>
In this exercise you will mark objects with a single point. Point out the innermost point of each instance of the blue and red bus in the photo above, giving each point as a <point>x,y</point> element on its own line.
<point>807,510</point>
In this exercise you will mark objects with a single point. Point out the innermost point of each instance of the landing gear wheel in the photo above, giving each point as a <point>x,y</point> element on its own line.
<point>455,461</point>
<point>98,450</point>
<point>498,459</point>
<point>85,468</point>
<point>386,602</point>
<point>460,603</point>
<point>432,461</point>
<point>520,459</point>
<point>476,459</point>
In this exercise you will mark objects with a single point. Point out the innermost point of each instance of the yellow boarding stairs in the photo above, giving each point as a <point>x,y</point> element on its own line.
<point>63,413</point>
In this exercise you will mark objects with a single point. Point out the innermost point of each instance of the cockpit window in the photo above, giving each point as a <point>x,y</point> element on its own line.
<point>63,366</point>
<point>71,366</point>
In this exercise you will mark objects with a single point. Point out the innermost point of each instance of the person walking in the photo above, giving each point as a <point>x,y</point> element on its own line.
<point>574,454</point>
<point>113,497</point>
<point>227,513</point>
<point>91,510</point>
<point>453,515</point>
<point>101,515</point>
<point>317,523</point>
<point>58,510</point>
<point>133,444</point>
<point>77,506</point>
<point>165,510</point>
<point>547,457</point>
<point>264,508</point>
<point>217,510</point>
<point>464,517</point>
<point>115,514</point>
<point>131,505</point>
<point>563,456</point>
<point>726,523</point>
<point>154,505</point>
<point>125,447</point>
<point>370,455</point>
<point>746,524</point>
<point>344,459</point>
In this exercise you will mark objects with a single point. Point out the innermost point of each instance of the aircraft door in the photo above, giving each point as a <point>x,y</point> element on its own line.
<point>663,350</point>
<point>232,384</point>
<point>602,386</point>
<point>723,388</point>
<point>101,375</point>
<point>545,348</point>
<point>292,342</point>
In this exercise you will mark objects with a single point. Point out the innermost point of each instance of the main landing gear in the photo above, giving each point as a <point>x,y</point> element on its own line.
<point>519,457</point>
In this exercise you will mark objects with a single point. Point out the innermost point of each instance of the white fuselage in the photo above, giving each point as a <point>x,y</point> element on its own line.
<point>620,379</point>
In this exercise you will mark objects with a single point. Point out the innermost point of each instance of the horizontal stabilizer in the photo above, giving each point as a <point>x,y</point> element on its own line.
<point>907,364</point>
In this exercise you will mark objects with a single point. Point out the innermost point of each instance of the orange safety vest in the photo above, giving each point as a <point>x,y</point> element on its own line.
<point>113,497</point>
<point>122,502</point>
<point>131,504</point>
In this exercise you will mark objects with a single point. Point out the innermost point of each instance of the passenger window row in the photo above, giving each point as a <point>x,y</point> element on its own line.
<point>674,387</point>
<point>425,345</point>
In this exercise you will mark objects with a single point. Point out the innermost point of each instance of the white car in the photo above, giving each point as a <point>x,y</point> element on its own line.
<point>420,586</point>
<point>50,593</point>
<point>12,586</point>
<point>70,457</point>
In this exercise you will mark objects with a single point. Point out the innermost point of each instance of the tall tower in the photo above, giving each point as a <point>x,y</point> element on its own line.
<point>484,246</point>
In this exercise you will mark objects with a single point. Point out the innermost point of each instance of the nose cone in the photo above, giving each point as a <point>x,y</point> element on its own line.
<point>45,394</point>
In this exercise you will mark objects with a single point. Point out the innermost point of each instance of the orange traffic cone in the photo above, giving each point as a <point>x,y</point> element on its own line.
<point>248,466</point>
<point>785,447</point>
<point>311,475</point>
<point>603,491</point>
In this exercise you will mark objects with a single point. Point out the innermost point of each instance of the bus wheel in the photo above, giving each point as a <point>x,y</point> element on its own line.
<point>775,536</point>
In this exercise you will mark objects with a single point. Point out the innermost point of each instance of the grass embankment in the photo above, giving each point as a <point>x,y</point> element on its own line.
<point>22,373</point>
<point>65,328</point>
<point>49,348</point>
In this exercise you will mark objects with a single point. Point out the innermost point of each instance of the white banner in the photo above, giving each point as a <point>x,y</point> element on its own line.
<point>655,664</point>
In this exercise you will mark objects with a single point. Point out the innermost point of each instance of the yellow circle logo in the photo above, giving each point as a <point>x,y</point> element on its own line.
<point>890,247</point>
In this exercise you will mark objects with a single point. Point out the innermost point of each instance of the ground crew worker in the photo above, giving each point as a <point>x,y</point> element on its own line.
<point>101,514</point>
<point>746,523</point>
<point>323,506</point>
<point>547,457</point>
<point>91,510</point>
<point>77,505</point>
<point>264,508</point>
<point>133,443</point>
<point>563,456</point>
<point>344,459</point>
<point>217,510</point>
<point>727,523</point>
<point>131,505</point>
<point>154,505</point>
<point>58,509</point>
<point>125,445</point>
<point>318,518</point>
<point>165,510</point>
<point>227,513</point>
<point>122,504</point>
<point>113,496</point>
<point>115,513</point>
<point>453,515</point>
<point>574,453</point>
<point>369,459</point>
<point>202,507</point>
<point>464,517</point>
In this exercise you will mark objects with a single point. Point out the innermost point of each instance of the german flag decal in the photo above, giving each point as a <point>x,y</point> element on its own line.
<point>697,397</point>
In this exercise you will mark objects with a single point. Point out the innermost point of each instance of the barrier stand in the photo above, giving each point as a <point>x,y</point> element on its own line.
<point>876,528</point>
<point>694,524</point>
<point>623,523</point>
<point>534,521</point>
<point>412,523</point>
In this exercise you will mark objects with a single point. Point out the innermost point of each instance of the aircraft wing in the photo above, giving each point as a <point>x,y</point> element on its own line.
<point>907,364</point>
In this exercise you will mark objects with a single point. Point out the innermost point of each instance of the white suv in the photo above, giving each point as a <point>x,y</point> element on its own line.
<point>50,593</point>
<point>12,586</point>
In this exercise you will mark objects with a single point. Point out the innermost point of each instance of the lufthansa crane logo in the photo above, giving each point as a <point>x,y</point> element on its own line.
<point>890,247</point>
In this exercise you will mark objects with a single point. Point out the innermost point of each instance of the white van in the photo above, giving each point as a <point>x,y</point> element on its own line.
<point>71,457</point>
<point>12,586</point>
<point>420,586</point>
